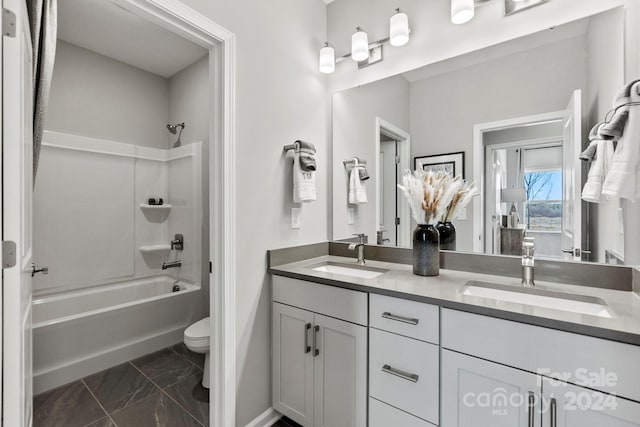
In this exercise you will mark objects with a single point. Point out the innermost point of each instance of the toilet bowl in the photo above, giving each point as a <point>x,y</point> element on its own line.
<point>196,338</point>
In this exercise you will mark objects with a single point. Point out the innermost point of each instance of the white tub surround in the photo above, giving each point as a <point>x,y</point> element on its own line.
<point>91,217</point>
<point>80,332</point>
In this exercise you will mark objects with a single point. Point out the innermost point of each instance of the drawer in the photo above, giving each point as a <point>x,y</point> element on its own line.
<point>404,373</point>
<point>383,415</point>
<point>331,301</point>
<point>578,359</point>
<point>409,318</point>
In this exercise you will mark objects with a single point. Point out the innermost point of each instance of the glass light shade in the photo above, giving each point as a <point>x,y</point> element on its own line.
<point>359,46</point>
<point>462,11</point>
<point>399,29</point>
<point>327,62</point>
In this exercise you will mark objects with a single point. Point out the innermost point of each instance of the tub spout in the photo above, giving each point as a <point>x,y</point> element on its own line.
<point>171,264</point>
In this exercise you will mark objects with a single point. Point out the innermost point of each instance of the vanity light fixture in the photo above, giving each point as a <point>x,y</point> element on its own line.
<point>363,52</point>
<point>359,45</point>
<point>462,11</point>
<point>399,29</point>
<point>327,62</point>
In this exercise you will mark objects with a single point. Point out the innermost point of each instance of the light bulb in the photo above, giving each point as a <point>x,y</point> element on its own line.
<point>462,11</point>
<point>327,62</point>
<point>399,29</point>
<point>359,45</point>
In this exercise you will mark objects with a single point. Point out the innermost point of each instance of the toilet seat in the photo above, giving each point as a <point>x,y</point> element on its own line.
<point>197,335</point>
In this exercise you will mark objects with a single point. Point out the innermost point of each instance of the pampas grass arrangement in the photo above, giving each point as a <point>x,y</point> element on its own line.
<point>435,196</point>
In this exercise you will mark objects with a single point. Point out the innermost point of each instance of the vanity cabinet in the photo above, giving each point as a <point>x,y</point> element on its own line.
<point>477,393</point>
<point>319,361</point>
<point>567,405</point>
<point>404,362</point>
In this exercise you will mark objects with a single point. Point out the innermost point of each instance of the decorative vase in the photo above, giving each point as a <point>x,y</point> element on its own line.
<point>447,233</point>
<point>426,253</point>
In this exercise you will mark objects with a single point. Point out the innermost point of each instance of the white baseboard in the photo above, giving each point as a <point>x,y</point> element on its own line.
<point>265,419</point>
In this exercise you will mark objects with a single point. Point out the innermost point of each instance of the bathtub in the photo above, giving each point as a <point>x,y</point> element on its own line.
<point>81,332</point>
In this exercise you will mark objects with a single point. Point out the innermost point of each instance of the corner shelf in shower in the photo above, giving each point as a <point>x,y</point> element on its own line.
<point>165,207</point>
<point>155,249</point>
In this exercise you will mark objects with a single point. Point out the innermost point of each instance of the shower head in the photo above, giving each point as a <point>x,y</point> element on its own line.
<point>174,129</point>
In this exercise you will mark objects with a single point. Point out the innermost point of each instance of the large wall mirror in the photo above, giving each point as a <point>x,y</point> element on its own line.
<point>513,118</point>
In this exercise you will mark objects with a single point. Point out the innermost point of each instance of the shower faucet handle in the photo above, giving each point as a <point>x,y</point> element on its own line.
<point>178,242</point>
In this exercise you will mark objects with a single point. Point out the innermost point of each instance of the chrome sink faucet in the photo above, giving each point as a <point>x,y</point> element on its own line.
<point>359,246</point>
<point>528,246</point>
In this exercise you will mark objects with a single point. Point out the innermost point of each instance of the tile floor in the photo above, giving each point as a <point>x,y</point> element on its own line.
<point>161,389</point>
<point>286,422</point>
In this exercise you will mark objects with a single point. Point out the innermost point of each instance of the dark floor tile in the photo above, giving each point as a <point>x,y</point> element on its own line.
<point>183,351</point>
<point>104,422</point>
<point>120,386</point>
<point>165,367</point>
<point>192,396</point>
<point>286,422</point>
<point>66,406</point>
<point>157,410</point>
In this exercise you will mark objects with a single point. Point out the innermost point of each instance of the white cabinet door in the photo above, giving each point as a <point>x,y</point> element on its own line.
<point>477,393</point>
<point>340,373</point>
<point>292,392</point>
<point>567,405</point>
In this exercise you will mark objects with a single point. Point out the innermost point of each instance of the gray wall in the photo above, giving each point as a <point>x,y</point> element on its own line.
<point>189,103</point>
<point>281,97</point>
<point>444,108</point>
<point>354,135</point>
<point>96,96</point>
<point>605,77</point>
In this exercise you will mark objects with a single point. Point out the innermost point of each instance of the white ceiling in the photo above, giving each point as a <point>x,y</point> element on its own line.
<point>110,30</point>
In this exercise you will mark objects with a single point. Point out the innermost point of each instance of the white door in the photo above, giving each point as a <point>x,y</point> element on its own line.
<point>477,393</point>
<point>572,180</point>
<point>17,185</point>
<point>388,192</point>
<point>292,392</point>
<point>566,405</point>
<point>340,373</point>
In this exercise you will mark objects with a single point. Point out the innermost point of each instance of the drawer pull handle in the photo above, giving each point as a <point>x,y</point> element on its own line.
<point>402,374</point>
<point>532,403</point>
<point>402,319</point>
<point>307,347</point>
<point>316,350</point>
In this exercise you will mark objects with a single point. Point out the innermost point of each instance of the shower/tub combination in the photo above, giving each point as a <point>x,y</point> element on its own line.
<point>107,298</point>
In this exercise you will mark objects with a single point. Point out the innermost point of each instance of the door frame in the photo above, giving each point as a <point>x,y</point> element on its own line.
<point>404,148</point>
<point>221,44</point>
<point>479,161</point>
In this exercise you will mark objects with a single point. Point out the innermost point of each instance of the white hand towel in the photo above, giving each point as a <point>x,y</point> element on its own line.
<point>304,182</point>
<point>357,187</point>
<point>592,191</point>
<point>622,180</point>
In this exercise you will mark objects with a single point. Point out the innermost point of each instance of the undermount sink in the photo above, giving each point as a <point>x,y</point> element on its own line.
<point>582,304</point>
<point>352,270</point>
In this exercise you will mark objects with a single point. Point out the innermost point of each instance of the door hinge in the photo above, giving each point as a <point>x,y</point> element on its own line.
<point>8,254</point>
<point>210,267</point>
<point>397,221</point>
<point>397,160</point>
<point>8,23</point>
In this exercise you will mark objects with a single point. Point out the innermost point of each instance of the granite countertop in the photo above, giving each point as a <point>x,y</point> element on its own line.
<point>442,290</point>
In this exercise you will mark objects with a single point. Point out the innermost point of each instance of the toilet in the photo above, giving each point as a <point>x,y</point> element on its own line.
<point>196,338</point>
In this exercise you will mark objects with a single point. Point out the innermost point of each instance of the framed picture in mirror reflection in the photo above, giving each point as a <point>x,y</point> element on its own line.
<point>450,163</point>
